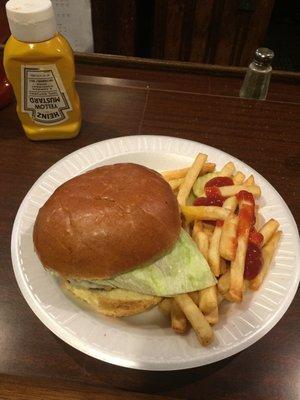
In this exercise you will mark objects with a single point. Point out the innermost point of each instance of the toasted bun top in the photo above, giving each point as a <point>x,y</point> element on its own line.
<point>107,221</point>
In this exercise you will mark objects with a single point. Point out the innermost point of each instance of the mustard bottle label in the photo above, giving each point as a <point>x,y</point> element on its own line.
<point>43,96</point>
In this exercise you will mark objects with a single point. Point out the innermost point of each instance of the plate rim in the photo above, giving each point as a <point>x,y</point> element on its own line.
<point>75,342</point>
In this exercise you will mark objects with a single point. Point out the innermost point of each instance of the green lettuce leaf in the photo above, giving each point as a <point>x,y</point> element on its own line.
<point>182,270</point>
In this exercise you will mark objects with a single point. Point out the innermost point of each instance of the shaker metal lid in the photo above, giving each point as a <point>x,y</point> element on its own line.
<point>264,56</point>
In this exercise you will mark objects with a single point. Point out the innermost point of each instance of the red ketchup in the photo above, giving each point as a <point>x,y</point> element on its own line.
<point>213,200</point>
<point>213,195</point>
<point>255,237</point>
<point>247,196</point>
<point>254,261</point>
<point>219,181</point>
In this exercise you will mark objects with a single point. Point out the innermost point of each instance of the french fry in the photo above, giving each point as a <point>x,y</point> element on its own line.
<point>186,226</point>
<point>213,251</point>
<point>208,233</point>
<point>267,253</point>
<point>189,179</point>
<point>228,169</point>
<point>230,204</point>
<point>181,173</point>
<point>238,178</point>
<point>224,283</point>
<point>223,266</point>
<point>207,213</point>
<point>227,296</point>
<point>200,238</point>
<point>175,174</point>
<point>195,297</point>
<point>259,219</point>
<point>246,216</point>
<point>213,317</point>
<point>220,298</point>
<point>249,181</point>
<point>175,183</point>
<point>228,191</point>
<point>165,306</point>
<point>208,228</point>
<point>208,299</point>
<point>268,230</point>
<point>178,319</point>
<point>202,242</point>
<point>207,167</point>
<point>228,240</point>
<point>237,270</point>
<point>198,227</point>
<point>201,327</point>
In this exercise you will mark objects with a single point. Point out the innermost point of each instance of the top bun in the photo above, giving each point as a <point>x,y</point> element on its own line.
<point>107,221</point>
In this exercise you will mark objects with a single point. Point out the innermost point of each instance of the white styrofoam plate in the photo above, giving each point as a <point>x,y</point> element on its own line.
<point>146,341</point>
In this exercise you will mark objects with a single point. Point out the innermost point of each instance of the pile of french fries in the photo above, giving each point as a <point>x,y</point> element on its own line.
<point>224,246</point>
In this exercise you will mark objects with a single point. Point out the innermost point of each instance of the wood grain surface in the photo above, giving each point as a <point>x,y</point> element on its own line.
<point>22,388</point>
<point>223,31</point>
<point>114,26</point>
<point>123,101</point>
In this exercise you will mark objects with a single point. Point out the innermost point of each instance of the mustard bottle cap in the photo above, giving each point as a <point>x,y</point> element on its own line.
<point>31,20</point>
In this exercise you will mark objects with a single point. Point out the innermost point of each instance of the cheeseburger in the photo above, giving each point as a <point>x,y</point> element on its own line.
<point>113,236</point>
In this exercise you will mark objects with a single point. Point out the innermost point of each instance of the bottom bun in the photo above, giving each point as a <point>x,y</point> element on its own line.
<point>115,302</point>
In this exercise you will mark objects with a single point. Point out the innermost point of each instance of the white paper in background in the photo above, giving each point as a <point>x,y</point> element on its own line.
<point>74,21</point>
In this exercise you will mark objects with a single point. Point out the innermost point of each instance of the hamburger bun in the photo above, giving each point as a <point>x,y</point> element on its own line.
<point>115,302</point>
<point>107,221</point>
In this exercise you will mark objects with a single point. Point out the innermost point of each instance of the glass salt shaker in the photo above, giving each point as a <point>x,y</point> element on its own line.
<point>257,79</point>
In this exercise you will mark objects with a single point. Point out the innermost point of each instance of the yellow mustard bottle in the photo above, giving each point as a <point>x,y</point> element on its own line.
<point>39,63</point>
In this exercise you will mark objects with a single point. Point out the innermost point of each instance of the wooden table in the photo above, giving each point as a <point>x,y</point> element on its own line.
<point>124,97</point>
